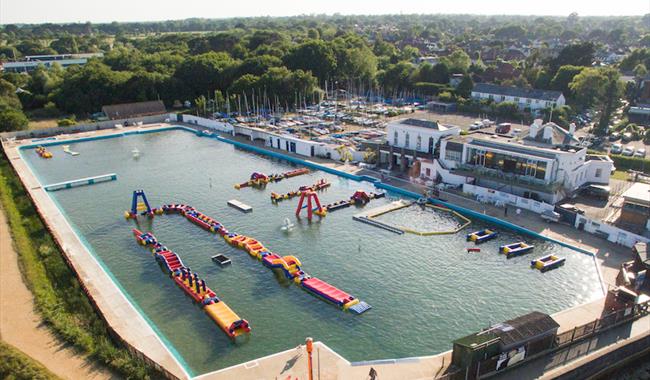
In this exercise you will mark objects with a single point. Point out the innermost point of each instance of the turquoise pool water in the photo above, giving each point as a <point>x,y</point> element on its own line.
<point>425,291</point>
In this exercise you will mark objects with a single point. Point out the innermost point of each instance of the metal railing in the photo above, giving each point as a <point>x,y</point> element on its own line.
<point>603,323</point>
<point>509,178</point>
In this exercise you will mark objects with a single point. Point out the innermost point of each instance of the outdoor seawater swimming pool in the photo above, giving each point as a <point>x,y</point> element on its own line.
<point>425,291</point>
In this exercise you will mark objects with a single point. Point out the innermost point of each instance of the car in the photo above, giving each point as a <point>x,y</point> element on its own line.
<point>572,208</point>
<point>640,153</point>
<point>475,126</point>
<point>627,137</point>
<point>616,149</point>
<point>597,191</point>
<point>628,151</point>
<point>614,136</point>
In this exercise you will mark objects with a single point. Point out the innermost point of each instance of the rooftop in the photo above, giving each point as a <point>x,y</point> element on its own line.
<point>638,192</point>
<point>423,124</point>
<point>514,331</point>
<point>518,92</point>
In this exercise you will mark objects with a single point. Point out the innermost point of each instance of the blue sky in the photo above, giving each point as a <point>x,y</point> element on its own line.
<point>38,11</point>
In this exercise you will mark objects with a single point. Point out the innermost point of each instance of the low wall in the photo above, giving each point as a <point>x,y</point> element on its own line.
<point>609,232</point>
<point>495,196</point>
<point>208,123</point>
<point>109,124</point>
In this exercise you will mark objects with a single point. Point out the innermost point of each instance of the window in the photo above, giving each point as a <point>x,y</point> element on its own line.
<point>452,155</point>
<point>418,143</point>
<point>503,98</point>
<point>599,172</point>
<point>516,100</point>
<point>406,140</point>
<point>528,101</point>
<point>395,138</point>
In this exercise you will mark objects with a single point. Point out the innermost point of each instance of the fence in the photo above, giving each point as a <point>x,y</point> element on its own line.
<point>496,196</point>
<point>603,323</point>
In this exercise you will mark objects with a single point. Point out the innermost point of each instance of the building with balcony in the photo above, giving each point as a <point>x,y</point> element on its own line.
<point>409,139</point>
<point>545,163</point>
<point>636,206</point>
<point>525,98</point>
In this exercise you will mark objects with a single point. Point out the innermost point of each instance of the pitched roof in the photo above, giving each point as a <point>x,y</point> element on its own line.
<point>127,110</point>
<point>518,92</point>
<point>514,331</point>
<point>525,327</point>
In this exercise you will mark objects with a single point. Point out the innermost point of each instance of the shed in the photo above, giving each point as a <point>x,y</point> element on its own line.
<point>130,110</point>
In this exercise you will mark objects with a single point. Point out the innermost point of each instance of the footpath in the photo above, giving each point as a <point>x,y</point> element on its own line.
<point>23,328</point>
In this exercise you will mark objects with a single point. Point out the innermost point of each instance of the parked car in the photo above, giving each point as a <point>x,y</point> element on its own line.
<point>597,191</point>
<point>627,137</point>
<point>614,136</point>
<point>640,153</point>
<point>475,126</point>
<point>628,151</point>
<point>572,208</point>
<point>616,149</point>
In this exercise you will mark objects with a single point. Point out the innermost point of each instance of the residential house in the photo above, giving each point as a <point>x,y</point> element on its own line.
<point>525,98</point>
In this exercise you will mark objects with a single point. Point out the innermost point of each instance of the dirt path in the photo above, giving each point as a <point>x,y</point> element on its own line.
<point>24,329</point>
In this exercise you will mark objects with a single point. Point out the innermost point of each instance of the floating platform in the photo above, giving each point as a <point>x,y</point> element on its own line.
<point>516,249</point>
<point>221,259</point>
<point>481,236</point>
<point>66,149</point>
<point>387,227</point>
<point>81,182</point>
<point>241,206</point>
<point>547,262</point>
<point>360,308</point>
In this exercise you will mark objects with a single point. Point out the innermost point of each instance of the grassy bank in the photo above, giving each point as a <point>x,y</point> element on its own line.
<point>58,295</point>
<point>16,365</point>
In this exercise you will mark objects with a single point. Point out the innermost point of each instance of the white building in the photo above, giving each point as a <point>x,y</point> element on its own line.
<point>411,138</point>
<point>31,62</point>
<point>545,164</point>
<point>525,98</point>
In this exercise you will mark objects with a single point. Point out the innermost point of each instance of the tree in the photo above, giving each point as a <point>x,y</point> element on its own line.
<point>369,156</point>
<point>202,74</point>
<point>315,56</point>
<point>563,78</point>
<point>602,88</point>
<point>433,74</point>
<point>8,97</point>
<point>12,120</point>
<point>201,104</point>
<point>458,61</point>
<point>581,54</point>
<point>465,87</point>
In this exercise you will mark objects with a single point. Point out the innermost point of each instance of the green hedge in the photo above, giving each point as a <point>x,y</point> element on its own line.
<point>633,163</point>
<point>14,364</point>
<point>58,296</point>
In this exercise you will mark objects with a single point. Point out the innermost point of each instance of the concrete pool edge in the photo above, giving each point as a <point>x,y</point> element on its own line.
<point>295,160</point>
<point>122,317</point>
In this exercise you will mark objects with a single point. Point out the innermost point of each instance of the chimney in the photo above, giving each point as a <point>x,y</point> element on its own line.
<point>572,129</point>
<point>533,129</point>
<point>548,133</point>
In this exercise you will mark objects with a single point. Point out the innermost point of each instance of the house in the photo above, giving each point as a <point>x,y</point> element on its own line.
<point>31,62</point>
<point>545,163</point>
<point>639,114</point>
<point>504,344</point>
<point>525,98</point>
<point>129,110</point>
<point>636,205</point>
<point>408,139</point>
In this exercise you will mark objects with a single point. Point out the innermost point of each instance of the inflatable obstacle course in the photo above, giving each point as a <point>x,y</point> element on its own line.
<point>516,249</point>
<point>81,182</point>
<point>289,266</point>
<point>195,287</point>
<point>43,153</point>
<point>140,206</point>
<point>547,262</point>
<point>318,186</point>
<point>359,198</point>
<point>261,179</point>
<point>481,236</point>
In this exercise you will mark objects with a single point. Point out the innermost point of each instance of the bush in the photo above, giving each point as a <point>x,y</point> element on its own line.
<point>66,122</point>
<point>16,365</point>
<point>58,296</point>
<point>12,120</point>
<point>633,163</point>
